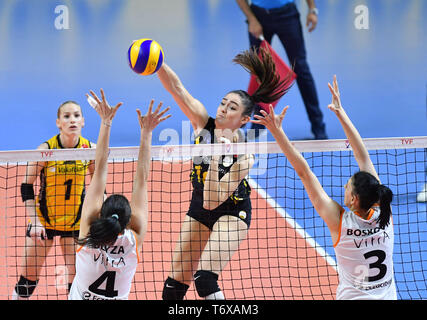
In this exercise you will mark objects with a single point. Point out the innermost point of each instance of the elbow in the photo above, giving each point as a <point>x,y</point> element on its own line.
<point>178,89</point>
<point>302,174</point>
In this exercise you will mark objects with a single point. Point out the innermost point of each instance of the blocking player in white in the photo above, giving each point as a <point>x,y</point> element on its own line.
<point>362,236</point>
<point>112,231</point>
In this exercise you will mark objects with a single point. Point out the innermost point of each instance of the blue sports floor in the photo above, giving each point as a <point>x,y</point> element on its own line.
<point>382,74</point>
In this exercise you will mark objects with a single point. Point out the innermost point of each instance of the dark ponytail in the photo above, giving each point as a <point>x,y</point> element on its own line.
<point>370,191</point>
<point>385,197</point>
<point>262,66</point>
<point>115,215</point>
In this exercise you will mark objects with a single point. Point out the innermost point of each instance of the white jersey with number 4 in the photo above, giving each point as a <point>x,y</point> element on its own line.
<point>364,255</point>
<point>106,272</point>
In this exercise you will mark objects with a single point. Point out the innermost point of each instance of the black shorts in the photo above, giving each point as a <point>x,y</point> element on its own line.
<point>240,209</point>
<point>50,233</point>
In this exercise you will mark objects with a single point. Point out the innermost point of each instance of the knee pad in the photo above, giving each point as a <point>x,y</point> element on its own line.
<point>25,288</point>
<point>174,290</point>
<point>206,283</point>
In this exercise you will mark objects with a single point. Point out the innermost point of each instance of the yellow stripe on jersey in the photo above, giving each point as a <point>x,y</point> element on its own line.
<point>62,190</point>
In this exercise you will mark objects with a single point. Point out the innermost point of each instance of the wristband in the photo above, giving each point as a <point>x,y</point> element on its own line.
<point>28,232</point>
<point>27,191</point>
<point>314,11</point>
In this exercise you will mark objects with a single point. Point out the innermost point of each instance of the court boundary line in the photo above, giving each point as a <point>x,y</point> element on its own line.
<point>293,223</point>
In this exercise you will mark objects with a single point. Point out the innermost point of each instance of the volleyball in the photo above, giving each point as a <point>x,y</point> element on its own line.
<point>145,56</point>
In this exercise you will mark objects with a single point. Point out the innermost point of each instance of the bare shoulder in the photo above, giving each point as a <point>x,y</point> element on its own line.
<point>43,146</point>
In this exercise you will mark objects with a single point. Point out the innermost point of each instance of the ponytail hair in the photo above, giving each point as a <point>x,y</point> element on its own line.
<point>115,216</point>
<point>386,197</point>
<point>262,66</point>
<point>370,191</point>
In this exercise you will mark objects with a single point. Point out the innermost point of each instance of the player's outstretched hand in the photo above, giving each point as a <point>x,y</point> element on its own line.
<point>105,111</point>
<point>151,119</point>
<point>270,120</point>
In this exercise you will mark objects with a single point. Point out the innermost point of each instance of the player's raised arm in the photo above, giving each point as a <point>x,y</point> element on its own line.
<point>95,194</point>
<point>192,108</point>
<point>360,152</point>
<point>139,202</point>
<point>327,208</point>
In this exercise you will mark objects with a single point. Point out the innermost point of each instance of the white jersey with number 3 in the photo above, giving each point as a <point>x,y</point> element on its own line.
<point>106,272</point>
<point>364,254</point>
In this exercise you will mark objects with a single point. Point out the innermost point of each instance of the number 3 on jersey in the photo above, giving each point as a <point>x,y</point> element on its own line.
<point>363,271</point>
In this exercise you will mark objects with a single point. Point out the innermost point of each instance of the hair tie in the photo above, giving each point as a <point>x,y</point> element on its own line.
<point>115,216</point>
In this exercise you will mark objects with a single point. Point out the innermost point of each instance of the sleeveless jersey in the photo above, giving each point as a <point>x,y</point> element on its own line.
<point>62,189</point>
<point>364,255</point>
<point>106,272</point>
<point>201,167</point>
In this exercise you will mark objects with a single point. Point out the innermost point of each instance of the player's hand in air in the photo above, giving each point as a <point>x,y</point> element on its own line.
<point>335,105</point>
<point>105,111</point>
<point>270,120</point>
<point>151,119</point>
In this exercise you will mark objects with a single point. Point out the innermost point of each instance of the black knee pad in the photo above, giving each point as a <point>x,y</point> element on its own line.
<point>206,283</point>
<point>25,288</point>
<point>174,290</point>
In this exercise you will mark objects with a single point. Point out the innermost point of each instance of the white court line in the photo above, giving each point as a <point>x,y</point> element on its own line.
<point>300,230</point>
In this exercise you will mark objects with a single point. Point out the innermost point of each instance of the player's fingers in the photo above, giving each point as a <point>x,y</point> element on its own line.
<point>332,90</point>
<point>164,118</point>
<point>256,116</point>
<point>95,96</point>
<point>150,106</point>
<point>116,107</point>
<point>158,107</point>
<point>264,113</point>
<point>283,113</point>
<point>270,107</point>
<point>163,112</point>
<point>103,95</point>
<point>336,85</point>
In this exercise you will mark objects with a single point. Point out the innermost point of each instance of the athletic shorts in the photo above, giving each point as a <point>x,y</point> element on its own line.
<point>240,209</point>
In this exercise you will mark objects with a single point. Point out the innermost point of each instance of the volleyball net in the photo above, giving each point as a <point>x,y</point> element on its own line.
<point>287,253</point>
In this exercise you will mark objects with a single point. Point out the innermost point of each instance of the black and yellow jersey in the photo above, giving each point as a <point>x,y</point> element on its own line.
<point>201,166</point>
<point>62,190</point>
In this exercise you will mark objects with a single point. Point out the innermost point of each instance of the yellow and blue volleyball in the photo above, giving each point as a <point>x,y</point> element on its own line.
<point>145,56</point>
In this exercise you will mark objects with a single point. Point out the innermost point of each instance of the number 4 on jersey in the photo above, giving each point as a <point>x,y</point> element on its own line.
<point>109,292</point>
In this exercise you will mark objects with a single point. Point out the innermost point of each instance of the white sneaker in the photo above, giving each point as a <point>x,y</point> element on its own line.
<point>422,196</point>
